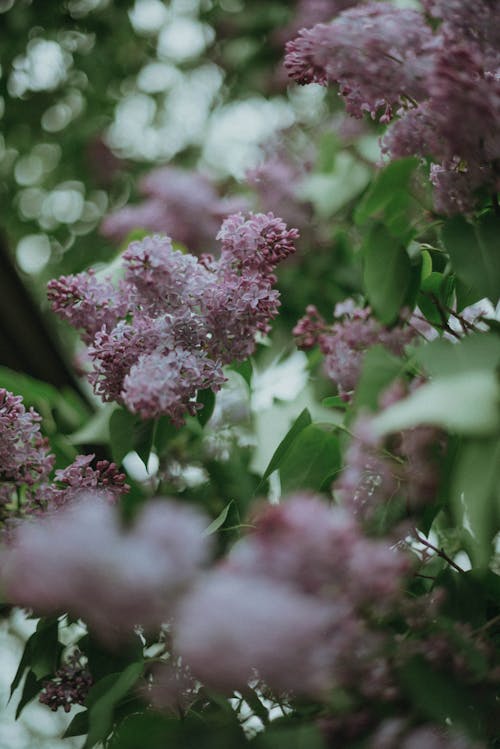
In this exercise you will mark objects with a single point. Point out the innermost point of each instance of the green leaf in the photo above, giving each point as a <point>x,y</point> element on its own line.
<point>121,433</point>
<point>426,269</point>
<point>334,401</point>
<point>41,652</point>
<point>477,351</point>
<point>165,432</point>
<point>32,391</point>
<point>79,726</point>
<point>245,369</point>
<point>104,697</point>
<point>379,369</point>
<point>435,289</point>
<point>219,521</point>
<point>144,435</point>
<point>132,731</point>
<point>207,399</point>
<point>313,457</point>
<point>474,252</point>
<point>297,737</point>
<point>388,198</point>
<point>96,430</point>
<point>152,731</point>
<point>129,432</point>
<point>32,687</point>
<point>387,274</point>
<point>302,421</point>
<point>467,403</point>
<point>473,495</point>
<point>439,697</point>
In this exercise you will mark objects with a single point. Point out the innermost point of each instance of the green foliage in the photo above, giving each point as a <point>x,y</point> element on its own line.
<point>40,657</point>
<point>302,421</point>
<point>387,274</point>
<point>312,459</point>
<point>475,253</point>
<point>103,699</point>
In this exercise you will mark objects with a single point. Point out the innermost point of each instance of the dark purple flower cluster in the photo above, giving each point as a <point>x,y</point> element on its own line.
<point>346,341</point>
<point>25,484</point>
<point>69,686</point>
<point>442,85</point>
<point>376,53</point>
<point>79,479</point>
<point>24,453</point>
<point>172,197</point>
<point>174,319</point>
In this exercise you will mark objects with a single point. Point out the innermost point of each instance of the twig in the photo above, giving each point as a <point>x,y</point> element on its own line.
<point>440,552</point>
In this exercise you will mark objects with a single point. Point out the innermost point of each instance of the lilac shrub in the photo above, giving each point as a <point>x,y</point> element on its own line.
<point>178,319</point>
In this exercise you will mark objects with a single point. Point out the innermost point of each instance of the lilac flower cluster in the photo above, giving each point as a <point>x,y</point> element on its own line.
<point>81,560</point>
<point>69,686</point>
<point>80,479</point>
<point>26,487</point>
<point>24,453</point>
<point>172,197</point>
<point>377,472</point>
<point>175,319</point>
<point>346,341</point>
<point>442,85</point>
<point>376,53</point>
<point>288,606</point>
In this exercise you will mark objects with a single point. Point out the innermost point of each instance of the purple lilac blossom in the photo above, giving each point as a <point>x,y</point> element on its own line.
<point>173,197</point>
<point>168,383</point>
<point>82,561</point>
<point>69,686</point>
<point>24,454</point>
<point>233,628</point>
<point>442,84</point>
<point>182,317</point>
<point>88,303</point>
<point>320,550</point>
<point>346,341</point>
<point>79,478</point>
<point>378,54</point>
<point>286,606</point>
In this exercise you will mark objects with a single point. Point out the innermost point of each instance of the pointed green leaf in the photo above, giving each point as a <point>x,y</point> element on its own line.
<point>474,251</point>
<point>313,457</point>
<point>219,521</point>
<point>387,274</point>
<point>302,421</point>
